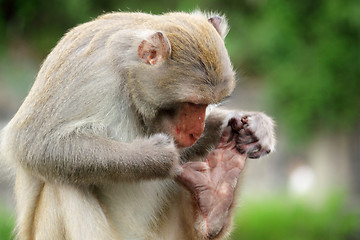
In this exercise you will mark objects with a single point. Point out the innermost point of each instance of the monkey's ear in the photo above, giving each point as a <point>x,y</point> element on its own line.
<point>154,49</point>
<point>220,25</point>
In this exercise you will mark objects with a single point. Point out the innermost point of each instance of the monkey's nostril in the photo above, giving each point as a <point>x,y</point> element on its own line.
<point>194,136</point>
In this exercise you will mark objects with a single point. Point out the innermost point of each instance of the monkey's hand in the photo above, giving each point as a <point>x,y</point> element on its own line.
<point>254,134</point>
<point>155,156</point>
<point>212,184</point>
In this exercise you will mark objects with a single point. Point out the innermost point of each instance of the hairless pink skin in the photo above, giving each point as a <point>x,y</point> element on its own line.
<point>190,124</point>
<point>212,183</point>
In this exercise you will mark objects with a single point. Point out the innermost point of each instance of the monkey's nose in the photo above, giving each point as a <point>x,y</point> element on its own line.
<point>195,136</point>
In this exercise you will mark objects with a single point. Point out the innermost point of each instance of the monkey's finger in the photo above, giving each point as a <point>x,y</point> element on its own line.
<point>236,161</point>
<point>258,154</point>
<point>231,179</point>
<point>225,137</point>
<point>248,131</point>
<point>247,139</point>
<point>235,124</point>
<point>213,158</point>
<point>186,179</point>
<point>193,174</point>
<point>197,166</point>
<point>218,216</point>
<point>244,120</point>
<point>216,224</point>
<point>248,148</point>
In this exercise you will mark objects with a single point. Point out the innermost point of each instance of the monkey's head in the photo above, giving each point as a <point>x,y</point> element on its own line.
<point>183,66</point>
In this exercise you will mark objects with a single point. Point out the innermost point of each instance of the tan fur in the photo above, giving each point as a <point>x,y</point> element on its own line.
<point>92,159</point>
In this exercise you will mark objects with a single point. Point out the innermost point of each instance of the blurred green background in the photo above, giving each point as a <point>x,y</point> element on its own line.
<point>299,61</point>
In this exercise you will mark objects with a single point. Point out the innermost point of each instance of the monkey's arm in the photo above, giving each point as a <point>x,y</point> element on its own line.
<point>92,159</point>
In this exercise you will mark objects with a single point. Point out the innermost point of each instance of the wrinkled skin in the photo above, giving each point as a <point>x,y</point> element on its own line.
<point>212,183</point>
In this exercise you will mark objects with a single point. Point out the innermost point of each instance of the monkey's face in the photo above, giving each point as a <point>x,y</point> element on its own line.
<point>178,75</point>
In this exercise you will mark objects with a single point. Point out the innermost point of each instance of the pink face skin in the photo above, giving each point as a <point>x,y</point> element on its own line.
<point>189,125</point>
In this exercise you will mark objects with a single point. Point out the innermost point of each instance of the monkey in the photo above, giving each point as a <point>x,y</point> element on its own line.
<point>122,135</point>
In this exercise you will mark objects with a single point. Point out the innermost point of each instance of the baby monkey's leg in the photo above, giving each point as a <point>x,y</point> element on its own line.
<point>212,183</point>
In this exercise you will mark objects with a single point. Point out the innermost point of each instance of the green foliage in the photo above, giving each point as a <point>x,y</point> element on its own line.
<point>43,23</point>
<point>277,218</point>
<point>6,225</point>
<point>308,53</point>
<point>283,218</point>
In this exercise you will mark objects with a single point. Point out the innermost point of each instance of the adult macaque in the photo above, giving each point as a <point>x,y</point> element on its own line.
<point>117,139</point>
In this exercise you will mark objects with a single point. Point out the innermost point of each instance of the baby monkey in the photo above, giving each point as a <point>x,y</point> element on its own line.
<point>120,136</point>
